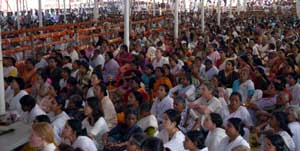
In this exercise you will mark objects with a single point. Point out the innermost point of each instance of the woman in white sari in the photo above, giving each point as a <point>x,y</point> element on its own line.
<point>234,131</point>
<point>213,122</point>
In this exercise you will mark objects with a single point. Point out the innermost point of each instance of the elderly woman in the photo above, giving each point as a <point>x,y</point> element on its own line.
<point>244,85</point>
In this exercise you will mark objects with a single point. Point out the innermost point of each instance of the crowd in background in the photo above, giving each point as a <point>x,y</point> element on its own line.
<point>233,87</point>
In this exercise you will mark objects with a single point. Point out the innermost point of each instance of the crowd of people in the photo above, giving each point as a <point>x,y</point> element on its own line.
<point>233,87</point>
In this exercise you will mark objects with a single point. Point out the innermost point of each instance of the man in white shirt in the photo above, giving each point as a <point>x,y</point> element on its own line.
<point>32,109</point>
<point>97,59</point>
<point>209,71</point>
<point>71,52</point>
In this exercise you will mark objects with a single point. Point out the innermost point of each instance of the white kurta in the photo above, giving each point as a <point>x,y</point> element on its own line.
<point>244,88</point>
<point>28,117</point>
<point>49,147</point>
<point>58,124</point>
<point>214,138</point>
<point>14,104</point>
<point>295,90</point>
<point>295,128</point>
<point>160,106</point>
<point>241,113</point>
<point>188,91</point>
<point>176,142</point>
<point>225,145</point>
<point>85,143</point>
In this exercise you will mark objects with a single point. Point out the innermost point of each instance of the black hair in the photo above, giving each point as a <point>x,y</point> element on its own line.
<point>125,47</point>
<point>153,144</point>
<point>150,66</point>
<point>278,142</point>
<point>68,58</point>
<point>60,100</point>
<point>103,88</point>
<point>197,137</point>
<point>65,147</point>
<point>129,111</point>
<point>110,55</point>
<point>238,125</point>
<point>208,61</point>
<point>31,61</point>
<point>28,101</point>
<point>93,103</point>
<point>138,96</point>
<point>236,94</point>
<point>72,81</point>
<point>294,76</point>
<point>85,65</point>
<point>77,100</point>
<point>98,74</point>
<point>43,75</point>
<point>161,70</point>
<point>20,82</point>
<point>166,87</point>
<point>8,79</point>
<point>174,116</point>
<point>42,118</point>
<point>232,62</point>
<point>282,120</point>
<point>67,70</point>
<point>216,119</point>
<point>76,127</point>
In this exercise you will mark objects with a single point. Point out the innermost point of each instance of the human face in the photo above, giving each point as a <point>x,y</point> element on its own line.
<point>88,110</point>
<point>228,66</point>
<point>204,91</point>
<point>131,146</point>
<point>131,120</point>
<point>268,146</point>
<point>67,132</point>
<point>158,73</point>
<point>273,122</point>
<point>167,124</point>
<point>15,85</point>
<point>235,102</point>
<point>35,140</point>
<point>95,80</point>
<point>243,75</point>
<point>291,116</point>
<point>209,124</point>
<point>54,106</point>
<point>131,99</point>
<point>179,106</point>
<point>52,63</point>
<point>231,131</point>
<point>188,144</point>
<point>162,92</point>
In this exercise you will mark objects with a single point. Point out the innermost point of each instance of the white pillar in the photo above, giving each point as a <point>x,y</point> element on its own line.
<point>176,19</point>
<point>238,6</point>
<point>96,9</point>
<point>126,23</point>
<point>230,8</point>
<point>65,12</point>
<point>2,91</point>
<point>202,16</point>
<point>153,5</point>
<point>18,15</point>
<point>298,8</point>
<point>40,14</point>
<point>219,12</point>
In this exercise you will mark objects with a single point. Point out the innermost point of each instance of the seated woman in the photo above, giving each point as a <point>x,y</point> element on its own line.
<point>42,137</point>
<point>194,141</point>
<point>214,122</point>
<point>279,125</point>
<point>118,137</point>
<point>185,88</point>
<point>74,134</point>
<point>235,109</point>
<point>274,142</point>
<point>228,75</point>
<point>94,122</point>
<point>244,85</point>
<point>234,131</point>
<point>162,103</point>
<point>172,137</point>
